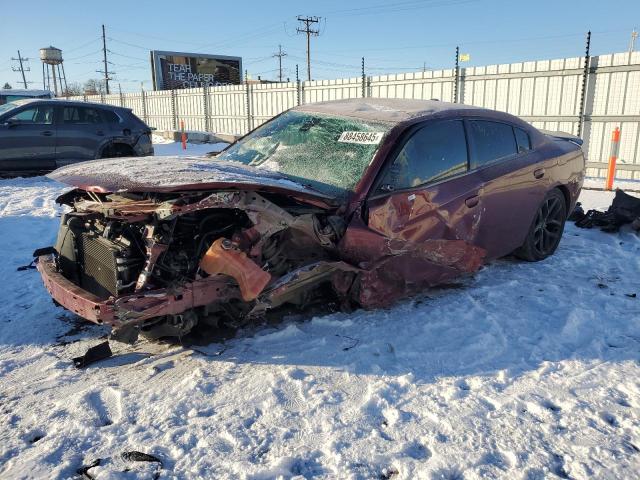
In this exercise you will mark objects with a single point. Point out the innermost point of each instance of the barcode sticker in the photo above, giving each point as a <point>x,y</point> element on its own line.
<point>365,138</point>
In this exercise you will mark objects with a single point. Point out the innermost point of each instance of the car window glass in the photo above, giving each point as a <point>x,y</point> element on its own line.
<point>80,115</point>
<point>110,117</point>
<point>491,141</point>
<point>433,153</point>
<point>522,139</point>
<point>41,115</point>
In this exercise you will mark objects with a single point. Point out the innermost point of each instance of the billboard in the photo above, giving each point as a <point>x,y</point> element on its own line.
<point>175,70</point>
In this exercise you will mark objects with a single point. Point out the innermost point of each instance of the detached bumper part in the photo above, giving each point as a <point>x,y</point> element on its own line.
<point>93,354</point>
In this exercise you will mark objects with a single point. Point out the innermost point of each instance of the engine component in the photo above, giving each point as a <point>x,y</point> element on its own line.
<point>224,258</point>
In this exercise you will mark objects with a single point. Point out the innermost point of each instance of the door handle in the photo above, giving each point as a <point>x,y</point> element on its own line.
<point>472,201</point>
<point>47,133</point>
<point>539,173</point>
<point>100,133</point>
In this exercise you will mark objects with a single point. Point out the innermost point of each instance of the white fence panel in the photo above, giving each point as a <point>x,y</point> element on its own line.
<point>546,93</point>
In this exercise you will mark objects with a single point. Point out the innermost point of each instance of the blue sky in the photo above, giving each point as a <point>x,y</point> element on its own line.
<point>393,36</point>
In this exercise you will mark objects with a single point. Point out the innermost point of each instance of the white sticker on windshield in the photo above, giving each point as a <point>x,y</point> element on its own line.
<point>366,138</point>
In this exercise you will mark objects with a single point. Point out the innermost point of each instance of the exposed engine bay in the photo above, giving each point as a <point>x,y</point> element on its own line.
<point>240,244</point>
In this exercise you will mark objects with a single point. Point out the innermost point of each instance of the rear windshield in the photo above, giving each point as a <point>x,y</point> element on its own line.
<point>326,153</point>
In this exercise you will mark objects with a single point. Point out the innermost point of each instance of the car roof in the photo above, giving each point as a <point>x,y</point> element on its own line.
<point>59,101</point>
<point>391,110</point>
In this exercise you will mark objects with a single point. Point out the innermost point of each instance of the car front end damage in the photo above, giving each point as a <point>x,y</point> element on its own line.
<point>160,263</point>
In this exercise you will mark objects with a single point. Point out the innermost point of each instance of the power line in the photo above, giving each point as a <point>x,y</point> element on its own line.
<point>280,54</point>
<point>80,47</point>
<point>308,21</point>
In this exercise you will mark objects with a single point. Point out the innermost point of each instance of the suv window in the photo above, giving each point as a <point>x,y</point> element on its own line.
<point>40,115</point>
<point>522,139</point>
<point>491,141</point>
<point>433,153</point>
<point>110,117</point>
<point>81,116</point>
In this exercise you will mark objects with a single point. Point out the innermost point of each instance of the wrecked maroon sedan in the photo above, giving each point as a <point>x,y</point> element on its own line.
<point>359,201</point>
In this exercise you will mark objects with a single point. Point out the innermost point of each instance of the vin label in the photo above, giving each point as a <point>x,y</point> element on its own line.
<point>364,138</point>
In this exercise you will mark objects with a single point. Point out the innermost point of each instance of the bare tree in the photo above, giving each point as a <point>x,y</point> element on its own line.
<point>73,89</point>
<point>94,86</point>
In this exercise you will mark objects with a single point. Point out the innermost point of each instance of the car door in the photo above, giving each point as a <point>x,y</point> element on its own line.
<point>421,219</point>
<point>27,139</point>
<point>514,184</point>
<point>81,133</point>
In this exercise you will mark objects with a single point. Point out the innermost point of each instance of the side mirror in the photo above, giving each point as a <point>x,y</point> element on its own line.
<point>9,123</point>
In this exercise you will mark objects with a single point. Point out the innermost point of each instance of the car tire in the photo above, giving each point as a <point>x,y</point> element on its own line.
<point>546,229</point>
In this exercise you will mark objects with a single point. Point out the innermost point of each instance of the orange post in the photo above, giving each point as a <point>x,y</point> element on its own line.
<point>183,136</point>
<point>613,157</point>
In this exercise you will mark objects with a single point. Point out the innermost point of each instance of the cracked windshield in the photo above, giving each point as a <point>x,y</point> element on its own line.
<point>326,153</point>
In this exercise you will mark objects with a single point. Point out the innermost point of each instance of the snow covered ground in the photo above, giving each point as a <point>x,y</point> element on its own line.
<point>164,147</point>
<point>528,371</point>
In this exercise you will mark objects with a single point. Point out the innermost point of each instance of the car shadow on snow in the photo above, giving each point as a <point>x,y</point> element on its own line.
<point>511,315</point>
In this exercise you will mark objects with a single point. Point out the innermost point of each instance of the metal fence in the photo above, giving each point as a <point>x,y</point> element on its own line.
<point>546,93</point>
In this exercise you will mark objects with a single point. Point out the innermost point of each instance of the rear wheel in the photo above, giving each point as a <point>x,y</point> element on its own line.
<point>546,230</point>
<point>117,150</point>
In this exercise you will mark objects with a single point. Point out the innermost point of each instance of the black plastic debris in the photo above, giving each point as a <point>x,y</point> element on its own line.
<point>135,456</point>
<point>31,266</point>
<point>93,354</point>
<point>39,252</point>
<point>577,214</point>
<point>624,209</point>
<point>83,471</point>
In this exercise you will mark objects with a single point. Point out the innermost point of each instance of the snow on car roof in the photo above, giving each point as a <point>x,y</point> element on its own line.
<point>392,110</point>
<point>26,93</point>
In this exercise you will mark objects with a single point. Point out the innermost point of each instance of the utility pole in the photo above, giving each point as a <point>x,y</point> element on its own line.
<point>280,54</point>
<point>308,21</point>
<point>21,69</point>
<point>104,54</point>
<point>632,43</point>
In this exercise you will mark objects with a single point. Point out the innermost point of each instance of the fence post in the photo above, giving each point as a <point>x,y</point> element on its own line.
<point>248,102</point>
<point>297,86</point>
<point>457,76</point>
<point>101,97</point>
<point>205,106</point>
<point>174,113</point>
<point>144,107</point>
<point>364,81</point>
<point>583,90</point>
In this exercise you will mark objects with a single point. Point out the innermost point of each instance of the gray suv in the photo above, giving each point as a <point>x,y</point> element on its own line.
<point>42,135</point>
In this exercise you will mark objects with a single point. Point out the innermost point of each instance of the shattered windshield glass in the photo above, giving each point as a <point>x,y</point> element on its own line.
<point>323,152</point>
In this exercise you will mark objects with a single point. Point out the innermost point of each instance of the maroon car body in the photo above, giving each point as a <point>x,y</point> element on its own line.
<point>160,244</point>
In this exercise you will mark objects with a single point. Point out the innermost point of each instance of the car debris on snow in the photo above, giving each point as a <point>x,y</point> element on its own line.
<point>624,209</point>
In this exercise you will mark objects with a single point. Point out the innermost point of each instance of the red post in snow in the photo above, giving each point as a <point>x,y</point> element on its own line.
<point>183,136</point>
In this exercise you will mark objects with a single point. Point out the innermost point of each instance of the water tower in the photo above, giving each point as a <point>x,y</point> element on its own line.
<point>52,67</point>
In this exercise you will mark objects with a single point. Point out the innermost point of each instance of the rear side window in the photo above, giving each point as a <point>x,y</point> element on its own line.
<point>433,153</point>
<point>40,115</point>
<point>81,116</point>
<point>522,139</point>
<point>110,117</point>
<point>491,141</point>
